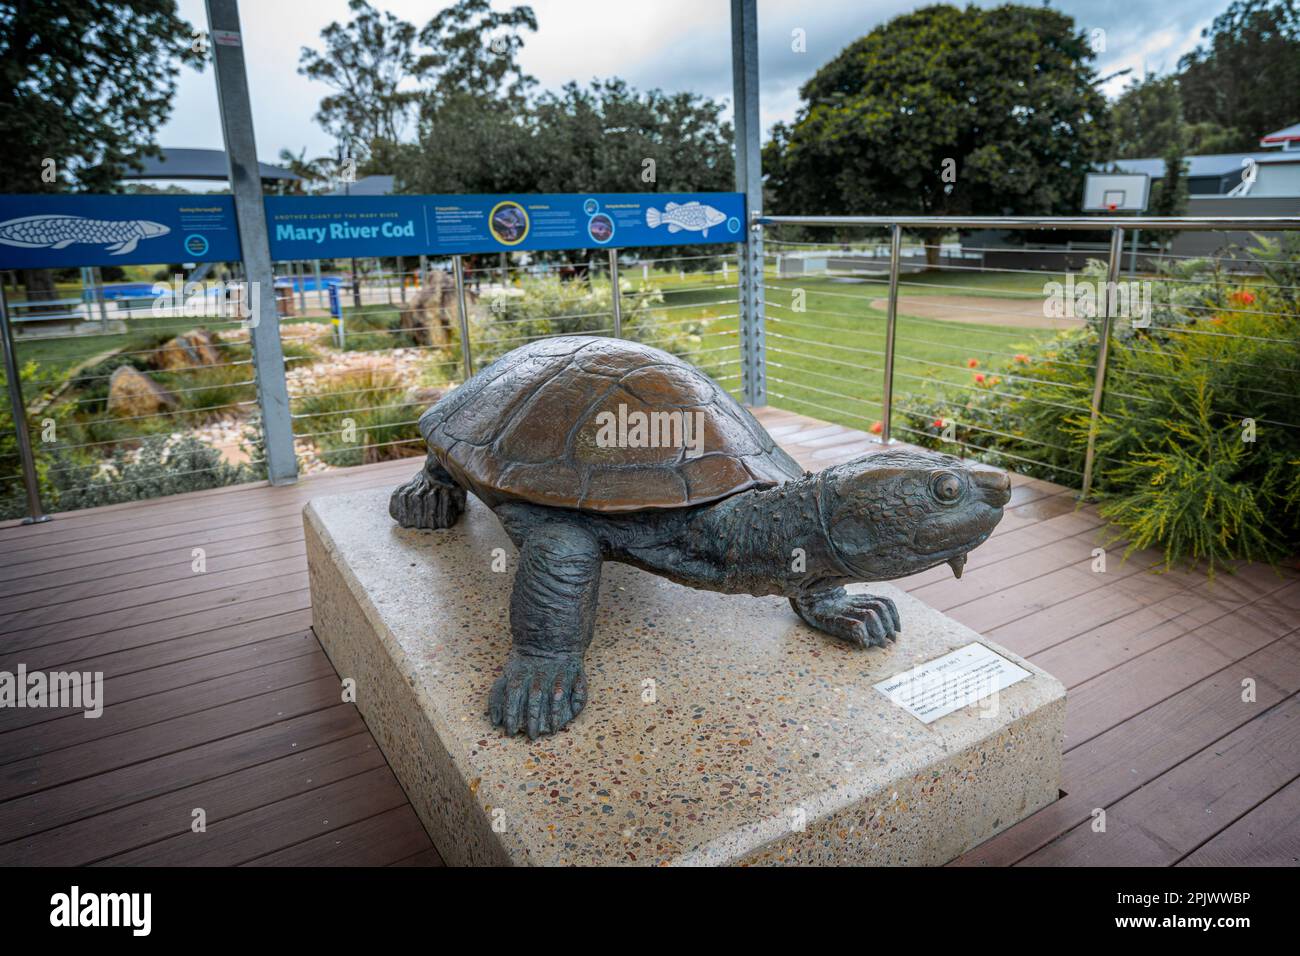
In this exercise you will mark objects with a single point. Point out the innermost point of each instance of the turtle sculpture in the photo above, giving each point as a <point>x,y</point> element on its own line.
<point>594,449</point>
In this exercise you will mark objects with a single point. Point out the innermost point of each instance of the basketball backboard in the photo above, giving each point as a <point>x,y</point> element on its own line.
<point>1116,192</point>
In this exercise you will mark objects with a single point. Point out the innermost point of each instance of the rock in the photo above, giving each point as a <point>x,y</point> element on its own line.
<point>132,393</point>
<point>424,395</point>
<point>189,349</point>
<point>430,316</point>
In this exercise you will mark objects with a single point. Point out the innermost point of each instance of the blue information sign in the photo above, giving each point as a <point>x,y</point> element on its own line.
<point>326,227</point>
<point>55,230</point>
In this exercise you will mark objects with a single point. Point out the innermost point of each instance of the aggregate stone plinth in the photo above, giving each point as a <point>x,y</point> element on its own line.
<point>719,729</point>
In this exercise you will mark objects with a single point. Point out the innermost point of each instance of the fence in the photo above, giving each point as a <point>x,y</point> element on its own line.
<point>366,348</point>
<point>927,340</point>
<point>942,321</point>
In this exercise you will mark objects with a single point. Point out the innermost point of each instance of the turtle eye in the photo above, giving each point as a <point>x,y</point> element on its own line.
<point>946,487</point>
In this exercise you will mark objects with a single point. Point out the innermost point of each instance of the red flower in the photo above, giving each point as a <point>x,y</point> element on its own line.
<point>938,423</point>
<point>979,377</point>
<point>1022,358</point>
<point>971,363</point>
<point>877,428</point>
<point>1243,297</point>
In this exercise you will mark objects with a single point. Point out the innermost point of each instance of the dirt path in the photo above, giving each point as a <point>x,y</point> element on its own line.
<point>1021,313</point>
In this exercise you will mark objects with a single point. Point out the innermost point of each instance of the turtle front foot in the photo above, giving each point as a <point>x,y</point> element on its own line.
<point>539,695</point>
<point>861,619</point>
<point>430,500</point>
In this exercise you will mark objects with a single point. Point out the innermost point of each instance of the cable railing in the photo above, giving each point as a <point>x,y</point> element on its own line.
<point>368,345</point>
<point>357,397</point>
<point>929,342</point>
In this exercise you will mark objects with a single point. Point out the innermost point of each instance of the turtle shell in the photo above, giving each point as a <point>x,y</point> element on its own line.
<point>529,427</point>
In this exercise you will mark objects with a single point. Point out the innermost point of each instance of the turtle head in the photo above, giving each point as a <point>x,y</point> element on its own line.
<point>895,513</point>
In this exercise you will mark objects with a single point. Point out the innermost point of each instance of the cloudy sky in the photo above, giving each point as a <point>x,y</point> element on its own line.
<point>671,44</point>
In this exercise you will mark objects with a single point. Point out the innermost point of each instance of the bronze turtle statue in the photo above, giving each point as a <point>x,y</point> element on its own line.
<point>593,449</point>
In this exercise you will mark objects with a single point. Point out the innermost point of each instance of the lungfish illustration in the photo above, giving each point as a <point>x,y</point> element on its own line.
<point>58,232</point>
<point>693,216</point>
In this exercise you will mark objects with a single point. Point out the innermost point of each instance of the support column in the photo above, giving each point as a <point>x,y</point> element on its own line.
<point>250,215</point>
<point>749,180</point>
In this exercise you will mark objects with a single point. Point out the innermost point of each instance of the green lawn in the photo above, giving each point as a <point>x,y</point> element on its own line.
<point>827,361</point>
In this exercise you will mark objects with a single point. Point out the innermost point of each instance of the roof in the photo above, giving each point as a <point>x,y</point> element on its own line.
<point>379,185</point>
<point>1220,164</point>
<point>200,164</point>
<point>1286,135</point>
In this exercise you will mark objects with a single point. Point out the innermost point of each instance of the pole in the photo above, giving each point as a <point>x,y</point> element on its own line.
<point>616,295</point>
<point>320,291</point>
<point>300,277</point>
<point>19,407</point>
<point>1133,254</point>
<point>749,180</point>
<point>458,267</point>
<point>101,298</point>
<point>1103,352</point>
<point>246,183</point>
<point>891,326</point>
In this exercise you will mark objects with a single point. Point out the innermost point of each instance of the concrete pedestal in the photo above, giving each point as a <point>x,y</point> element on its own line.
<point>719,729</point>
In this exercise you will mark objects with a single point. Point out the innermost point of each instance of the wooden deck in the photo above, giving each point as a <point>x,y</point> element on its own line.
<point>221,700</point>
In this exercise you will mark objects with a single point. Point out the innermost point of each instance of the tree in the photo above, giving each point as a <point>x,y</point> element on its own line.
<point>366,60</point>
<point>473,51</point>
<point>1002,101</point>
<point>84,86</point>
<point>592,139</point>
<point>1148,119</point>
<point>1245,77</point>
<point>317,174</point>
<point>608,138</point>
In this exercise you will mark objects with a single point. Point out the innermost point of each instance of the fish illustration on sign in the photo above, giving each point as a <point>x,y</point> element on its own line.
<point>693,216</point>
<point>58,232</point>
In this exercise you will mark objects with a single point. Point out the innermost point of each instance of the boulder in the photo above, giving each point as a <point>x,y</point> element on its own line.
<point>132,393</point>
<point>189,349</point>
<point>424,395</point>
<point>430,316</point>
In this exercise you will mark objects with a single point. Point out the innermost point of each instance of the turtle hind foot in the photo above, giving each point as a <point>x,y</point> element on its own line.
<point>430,500</point>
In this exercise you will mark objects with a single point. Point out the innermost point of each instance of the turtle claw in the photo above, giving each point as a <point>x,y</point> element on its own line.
<point>538,695</point>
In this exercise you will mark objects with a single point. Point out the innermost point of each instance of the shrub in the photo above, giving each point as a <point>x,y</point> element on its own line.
<point>550,307</point>
<point>1198,444</point>
<point>161,466</point>
<point>360,416</point>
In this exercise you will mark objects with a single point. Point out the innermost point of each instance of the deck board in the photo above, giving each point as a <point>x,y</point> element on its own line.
<point>220,697</point>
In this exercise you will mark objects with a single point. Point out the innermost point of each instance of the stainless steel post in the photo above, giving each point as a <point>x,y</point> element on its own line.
<point>616,295</point>
<point>749,180</point>
<point>891,327</point>
<point>458,268</point>
<point>250,215</point>
<point>1103,352</point>
<point>19,408</point>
